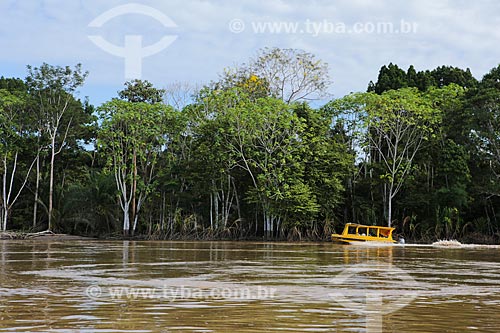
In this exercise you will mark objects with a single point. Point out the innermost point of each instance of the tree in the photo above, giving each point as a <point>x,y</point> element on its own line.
<point>287,74</point>
<point>390,77</point>
<point>347,116</point>
<point>445,75</point>
<point>263,139</point>
<point>484,103</point>
<point>141,91</point>
<point>179,94</point>
<point>14,133</point>
<point>261,159</point>
<point>327,160</point>
<point>132,136</point>
<point>397,122</point>
<point>53,88</point>
<point>243,81</point>
<point>209,163</point>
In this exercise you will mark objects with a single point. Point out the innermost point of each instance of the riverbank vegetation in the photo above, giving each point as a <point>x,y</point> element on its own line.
<point>250,156</point>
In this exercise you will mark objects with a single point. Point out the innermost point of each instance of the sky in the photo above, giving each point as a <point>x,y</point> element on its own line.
<point>195,40</point>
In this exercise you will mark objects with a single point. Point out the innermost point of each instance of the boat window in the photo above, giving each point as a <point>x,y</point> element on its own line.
<point>373,232</point>
<point>352,230</point>
<point>384,233</point>
<point>362,231</point>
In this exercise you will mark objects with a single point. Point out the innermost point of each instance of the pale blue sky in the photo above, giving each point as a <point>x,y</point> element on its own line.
<point>458,33</point>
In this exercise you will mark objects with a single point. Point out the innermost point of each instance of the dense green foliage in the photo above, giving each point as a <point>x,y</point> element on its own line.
<point>419,150</point>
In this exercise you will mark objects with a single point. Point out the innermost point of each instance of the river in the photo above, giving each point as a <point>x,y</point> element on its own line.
<point>126,286</point>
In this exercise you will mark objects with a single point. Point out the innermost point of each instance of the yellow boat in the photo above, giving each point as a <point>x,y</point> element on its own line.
<point>364,233</point>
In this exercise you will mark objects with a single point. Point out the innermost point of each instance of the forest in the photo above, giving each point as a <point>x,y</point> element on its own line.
<point>263,152</point>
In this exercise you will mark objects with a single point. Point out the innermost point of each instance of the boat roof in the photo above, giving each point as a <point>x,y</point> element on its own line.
<point>367,226</point>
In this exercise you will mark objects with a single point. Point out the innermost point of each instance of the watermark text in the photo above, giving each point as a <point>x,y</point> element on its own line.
<point>179,293</point>
<point>316,28</point>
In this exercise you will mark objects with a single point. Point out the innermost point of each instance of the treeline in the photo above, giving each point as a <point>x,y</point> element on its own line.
<point>248,157</point>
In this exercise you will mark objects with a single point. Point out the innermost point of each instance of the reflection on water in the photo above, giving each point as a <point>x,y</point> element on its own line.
<point>128,286</point>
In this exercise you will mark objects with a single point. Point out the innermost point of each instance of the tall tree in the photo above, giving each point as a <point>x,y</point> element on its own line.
<point>390,77</point>
<point>287,74</point>
<point>397,123</point>
<point>263,139</point>
<point>141,91</point>
<point>327,159</point>
<point>179,94</point>
<point>445,75</point>
<point>53,88</point>
<point>132,137</point>
<point>484,103</point>
<point>14,134</point>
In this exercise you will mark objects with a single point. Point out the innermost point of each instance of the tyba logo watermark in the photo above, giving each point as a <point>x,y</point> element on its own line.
<point>374,290</point>
<point>132,51</point>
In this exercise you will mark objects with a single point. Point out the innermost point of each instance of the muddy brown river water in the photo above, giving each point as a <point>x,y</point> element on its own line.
<point>125,286</point>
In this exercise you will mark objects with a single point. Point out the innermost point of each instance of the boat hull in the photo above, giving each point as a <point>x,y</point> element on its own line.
<point>350,240</point>
<point>358,233</point>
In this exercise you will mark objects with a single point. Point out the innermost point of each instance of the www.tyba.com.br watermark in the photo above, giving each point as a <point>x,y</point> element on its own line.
<point>168,293</point>
<point>316,28</point>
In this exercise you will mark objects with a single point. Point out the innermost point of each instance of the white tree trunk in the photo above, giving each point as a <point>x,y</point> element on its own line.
<point>4,195</point>
<point>37,189</point>
<point>140,201</point>
<point>7,189</point>
<point>4,218</point>
<point>389,211</point>
<point>126,220</point>
<point>211,211</point>
<point>51,181</point>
